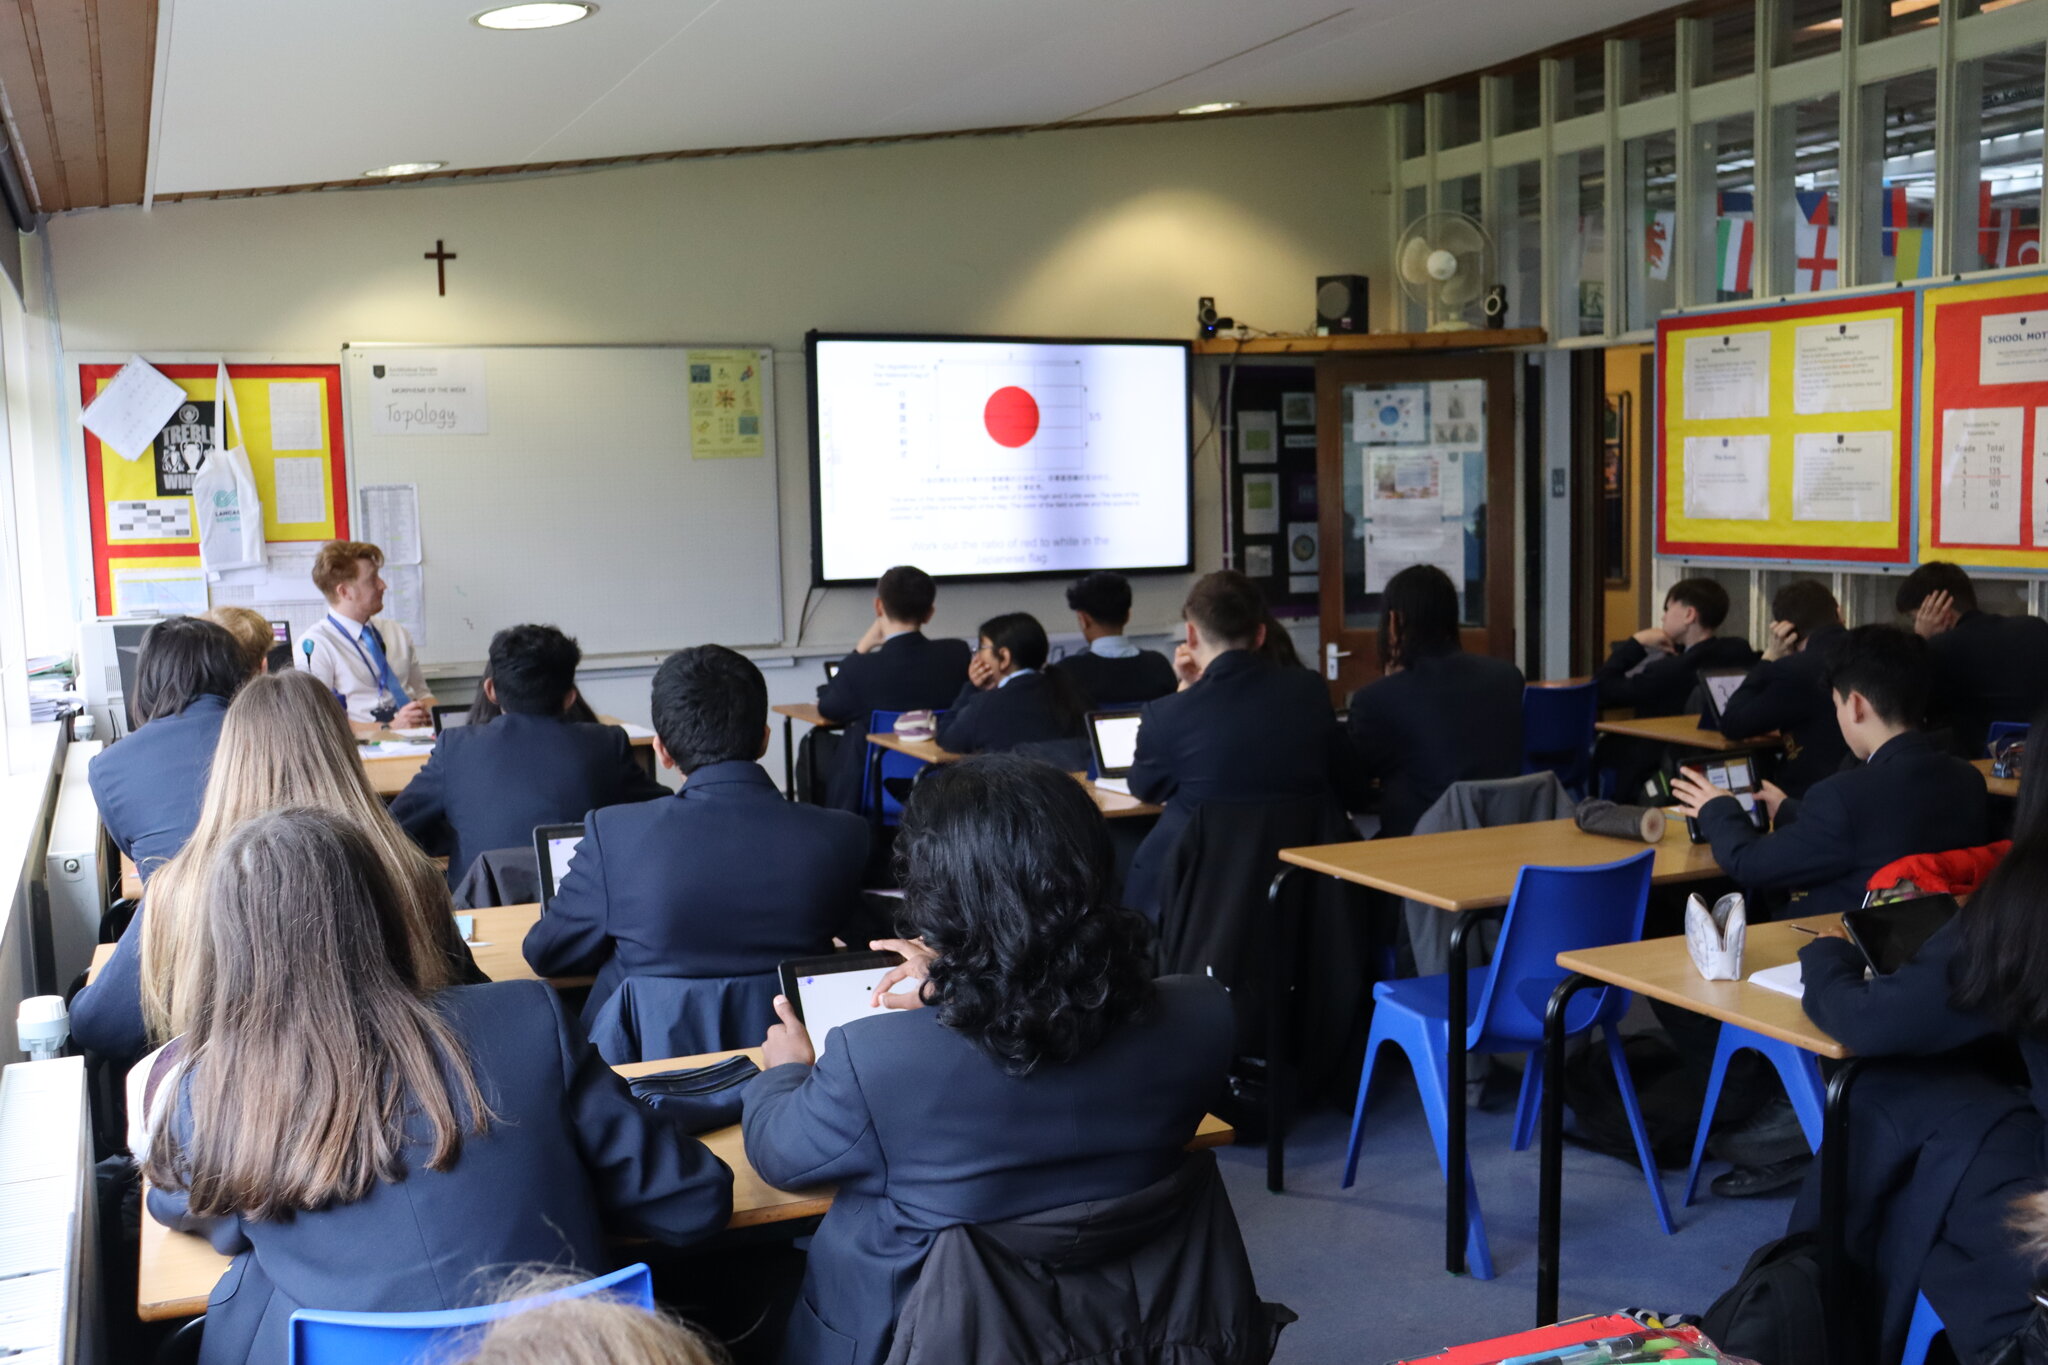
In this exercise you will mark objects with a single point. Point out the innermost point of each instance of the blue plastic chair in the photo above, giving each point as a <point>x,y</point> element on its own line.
<point>1554,910</point>
<point>1797,1068</point>
<point>873,795</point>
<point>1926,1326</point>
<point>1557,732</point>
<point>2002,729</point>
<point>319,1337</point>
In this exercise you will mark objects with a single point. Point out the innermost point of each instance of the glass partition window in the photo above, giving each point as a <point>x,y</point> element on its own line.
<point>1582,83</point>
<point>1651,182</point>
<point>1884,18</point>
<point>1727,148</point>
<point>1898,203</point>
<point>1809,28</point>
<point>1730,48</point>
<point>1518,100</point>
<point>1460,114</point>
<point>1810,144</point>
<point>1652,67</point>
<point>1518,241</point>
<point>1414,204</point>
<point>1583,179</point>
<point>1999,107</point>
<point>1462,196</point>
<point>1413,129</point>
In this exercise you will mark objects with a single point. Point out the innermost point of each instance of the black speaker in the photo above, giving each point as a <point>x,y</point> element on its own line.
<point>1341,304</point>
<point>1496,307</point>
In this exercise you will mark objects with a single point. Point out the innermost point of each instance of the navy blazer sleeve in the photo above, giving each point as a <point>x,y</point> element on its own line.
<point>123,837</point>
<point>570,937</point>
<point>959,731</point>
<point>106,1016</point>
<point>634,783</point>
<point>650,1177</point>
<point>809,1125</point>
<point>1659,679</point>
<point>1770,698</point>
<point>1151,776</point>
<point>839,698</point>
<point>1905,1014</point>
<point>172,1208</point>
<point>1817,847</point>
<point>421,809</point>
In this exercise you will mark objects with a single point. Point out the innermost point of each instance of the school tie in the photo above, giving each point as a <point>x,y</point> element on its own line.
<point>374,642</point>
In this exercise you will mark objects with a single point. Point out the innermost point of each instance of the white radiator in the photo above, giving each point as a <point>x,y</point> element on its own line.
<point>75,870</point>
<point>49,1228</point>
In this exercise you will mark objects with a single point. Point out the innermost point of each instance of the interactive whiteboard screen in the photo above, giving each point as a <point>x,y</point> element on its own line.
<point>997,457</point>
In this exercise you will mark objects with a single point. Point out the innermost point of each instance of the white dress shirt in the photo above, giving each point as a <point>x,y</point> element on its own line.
<point>339,657</point>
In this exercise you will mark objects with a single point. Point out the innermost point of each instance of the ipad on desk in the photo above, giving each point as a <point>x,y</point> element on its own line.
<point>450,716</point>
<point>831,669</point>
<point>1888,935</point>
<point>833,990</point>
<point>1736,775</point>
<point>1717,685</point>
<point>553,846</point>
<point>1113,736</point>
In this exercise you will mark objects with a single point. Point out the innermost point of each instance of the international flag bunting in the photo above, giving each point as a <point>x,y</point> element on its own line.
<point>1657,229</point>
<point>1817,250</point>
<point>1897,216</point>
<point>1914,257</point>
<point>1734,251</point>
<point>2001,241</point>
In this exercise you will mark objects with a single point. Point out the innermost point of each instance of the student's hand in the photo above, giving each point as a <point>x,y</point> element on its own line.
<point>872,639</point>
<point>981,671</point>
<point>412,716</point>
<point>916,966</point>
<point>1833,930</point>
<point>1773,796</point>
<point>1652,638</point>
<point>1937,613</point>
<point>788,1042</point>
<point>1691,791</point>
<point>1184,666</point>
<point>1780,641</point>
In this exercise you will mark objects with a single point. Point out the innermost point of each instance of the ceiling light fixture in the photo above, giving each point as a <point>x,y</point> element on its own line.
<point>407,168</point>
<point>1216,108</point>
<point>553,14</point>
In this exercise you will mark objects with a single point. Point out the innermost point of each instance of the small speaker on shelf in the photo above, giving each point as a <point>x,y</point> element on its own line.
<point>1496,307</point>
<point>1341,304</point>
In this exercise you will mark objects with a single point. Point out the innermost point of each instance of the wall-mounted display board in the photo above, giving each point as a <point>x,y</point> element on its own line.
<point>1785,430</point>
<point>1984,424</point>
<point>145,545</point>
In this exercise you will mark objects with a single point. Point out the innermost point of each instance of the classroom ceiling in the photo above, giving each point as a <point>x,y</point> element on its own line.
<point>288,94</point>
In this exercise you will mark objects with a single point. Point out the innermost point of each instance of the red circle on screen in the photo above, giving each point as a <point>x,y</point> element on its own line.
<point>1011,416</point>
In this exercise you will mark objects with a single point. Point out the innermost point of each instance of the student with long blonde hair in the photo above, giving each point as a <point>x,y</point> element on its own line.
<point>284,742</point>
<point>364,1137</point>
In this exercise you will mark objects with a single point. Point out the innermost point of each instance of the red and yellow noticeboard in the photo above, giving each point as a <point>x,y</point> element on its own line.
<point>141,510</point>
<point>1984,424</point>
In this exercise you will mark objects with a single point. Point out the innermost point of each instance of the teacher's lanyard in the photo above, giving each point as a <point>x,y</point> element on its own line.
<point>376,675</point>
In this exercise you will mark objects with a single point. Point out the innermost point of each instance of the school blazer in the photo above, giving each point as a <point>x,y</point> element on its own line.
<point>489,785</point>
<point>725,878</point>
<point>1453,717</point>
<point>149,785</point>
<point>1988,668</point>
<point>909,672</point>
<point>571,1156</point>
<point>1664,685</point>
<point>1018,713</point>
<point>334,660</point>
<point>1908,797</point>
<point>1131,681</point>
<point>921,1131</point>
<point>1790,695</point>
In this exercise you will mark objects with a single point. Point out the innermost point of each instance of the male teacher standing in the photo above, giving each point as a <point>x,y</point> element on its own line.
<point>367,659</point>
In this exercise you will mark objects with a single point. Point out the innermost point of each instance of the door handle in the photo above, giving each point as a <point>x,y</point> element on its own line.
<point>1330,656</point>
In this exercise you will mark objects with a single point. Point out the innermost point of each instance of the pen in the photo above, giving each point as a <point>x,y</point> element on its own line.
<point>1804,930</point>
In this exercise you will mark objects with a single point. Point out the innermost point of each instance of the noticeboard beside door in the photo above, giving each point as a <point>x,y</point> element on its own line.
<point>1423,451</point>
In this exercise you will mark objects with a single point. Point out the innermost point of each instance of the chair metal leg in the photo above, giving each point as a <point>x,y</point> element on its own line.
<point>1550,1198</point>
<point>1279,981</point>
<point>1834,1203</point>
<point>1459,1024</point>
<point>788,758</point>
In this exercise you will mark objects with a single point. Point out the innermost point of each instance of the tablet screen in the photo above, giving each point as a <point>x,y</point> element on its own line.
<point>828,1000</point>
<point>560,851</point>
<point>1116,739</point>
<point>1722,686</point>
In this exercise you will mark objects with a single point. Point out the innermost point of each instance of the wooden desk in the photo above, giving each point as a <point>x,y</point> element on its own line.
<point>179,1270</point>
<point>809,714</point>
<point>1663,970</point>
<point>1113,805</point>
<point>1998,786</point>
<point>1467,873</point>
<point>1685,732</point>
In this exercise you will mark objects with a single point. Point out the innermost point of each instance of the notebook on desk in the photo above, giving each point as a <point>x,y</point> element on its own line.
<point>1113,738</point>
<point>1784,979</point>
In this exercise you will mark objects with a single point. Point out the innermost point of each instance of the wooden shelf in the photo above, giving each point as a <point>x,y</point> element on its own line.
<point>1481,339</point>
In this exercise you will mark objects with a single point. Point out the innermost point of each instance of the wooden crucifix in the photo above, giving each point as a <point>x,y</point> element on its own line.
<point>440,256</point>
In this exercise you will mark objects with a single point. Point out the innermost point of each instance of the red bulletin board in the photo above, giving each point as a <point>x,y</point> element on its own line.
<point>1781,534</point>
<point>1952,379</point>
<point>109,476</point>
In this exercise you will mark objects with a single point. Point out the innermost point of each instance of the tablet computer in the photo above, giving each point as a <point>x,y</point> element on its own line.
<point>1890,934</point>
<point>831,669</point>
<point>833,990</point>
<point>553,846</point>
<point>449,716</point>
<point>1717,685</point>
<point>1735,774</point>
<point>1113,738</point>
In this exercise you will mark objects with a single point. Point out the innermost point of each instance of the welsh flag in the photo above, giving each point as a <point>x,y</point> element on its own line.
<point>1657,229</point>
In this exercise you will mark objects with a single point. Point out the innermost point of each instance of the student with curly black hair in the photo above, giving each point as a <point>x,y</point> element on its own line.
<point>1044,1068</point>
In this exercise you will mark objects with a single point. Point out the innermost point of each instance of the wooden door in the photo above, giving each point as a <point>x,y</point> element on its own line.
<point>1415,464</point>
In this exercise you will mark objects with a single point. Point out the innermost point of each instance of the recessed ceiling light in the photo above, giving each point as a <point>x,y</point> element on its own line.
<point>1218,107</point>
<point>407,168</point>
<point>553,14</point>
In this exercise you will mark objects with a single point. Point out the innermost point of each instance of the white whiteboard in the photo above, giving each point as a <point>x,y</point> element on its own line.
<point>582,506</point>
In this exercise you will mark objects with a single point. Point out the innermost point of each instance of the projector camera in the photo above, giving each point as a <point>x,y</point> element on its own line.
<point>1207,324</point>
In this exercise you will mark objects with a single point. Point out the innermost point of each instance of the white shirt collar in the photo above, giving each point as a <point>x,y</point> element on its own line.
<point>352,630</point>
<point>1113,647</point>
<point>1009,678</point>
<point>907,630</point>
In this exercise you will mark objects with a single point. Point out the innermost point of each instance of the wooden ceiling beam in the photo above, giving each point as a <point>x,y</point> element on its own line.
<point>21,76</point>
<point>77,76</point>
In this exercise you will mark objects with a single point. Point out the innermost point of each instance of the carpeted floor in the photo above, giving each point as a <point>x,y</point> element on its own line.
<point>1364,1266</point>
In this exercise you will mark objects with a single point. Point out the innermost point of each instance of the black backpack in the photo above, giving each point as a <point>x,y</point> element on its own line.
<point>1773,1313</point>
<point>1670,1095</point>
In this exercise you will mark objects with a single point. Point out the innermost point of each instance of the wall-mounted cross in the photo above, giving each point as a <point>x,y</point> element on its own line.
<point>440,256</point>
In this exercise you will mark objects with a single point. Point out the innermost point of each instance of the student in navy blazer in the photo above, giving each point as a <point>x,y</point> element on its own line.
<point>1907,797</point>
<point>1243,728</point>
<point>1044,1069</point>
<point>1656,669</point>
<point>1788,692</point>
<point>1987,667</point>
<point>725,878</point>
<point>1112,671</point>
<point>894,667</point>
<point>488,786</point>
<point>1010,700</point>
<point>512,1142</point>
<point>148,785</point>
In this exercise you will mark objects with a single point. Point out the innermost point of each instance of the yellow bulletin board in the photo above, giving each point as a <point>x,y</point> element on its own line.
<point>1983,424</point>
<point>141,514</point>
<point>1785,431</point>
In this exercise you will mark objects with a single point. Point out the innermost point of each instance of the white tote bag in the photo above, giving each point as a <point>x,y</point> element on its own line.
<point>224,498</point>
